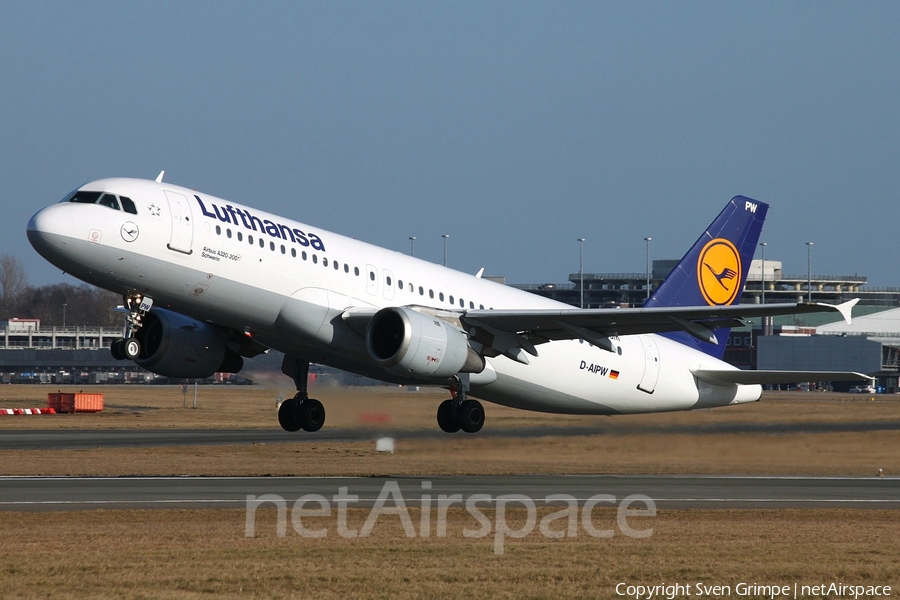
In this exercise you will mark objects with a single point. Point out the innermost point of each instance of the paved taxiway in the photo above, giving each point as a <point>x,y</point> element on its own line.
<point>668,491</point>
<point>73,439</point>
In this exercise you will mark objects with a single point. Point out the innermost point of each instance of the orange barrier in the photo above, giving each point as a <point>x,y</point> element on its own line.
<point>75,403</point>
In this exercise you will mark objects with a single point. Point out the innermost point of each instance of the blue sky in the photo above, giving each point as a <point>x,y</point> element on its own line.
<point>515,127</point>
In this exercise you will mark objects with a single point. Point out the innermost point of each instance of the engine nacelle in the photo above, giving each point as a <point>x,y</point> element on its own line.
<point>411,343</point>
<point>174,345</point>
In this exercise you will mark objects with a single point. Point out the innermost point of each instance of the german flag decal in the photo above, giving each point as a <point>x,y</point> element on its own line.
<point>613,374</point>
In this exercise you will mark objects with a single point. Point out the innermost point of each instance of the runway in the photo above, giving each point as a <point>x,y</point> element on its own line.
<point>74,439</point>
<point>667,491</point>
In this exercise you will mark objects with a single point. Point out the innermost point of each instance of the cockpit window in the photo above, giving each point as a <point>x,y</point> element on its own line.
<point>109,200</point>
<point>128,205</point>
<point>85,197</point>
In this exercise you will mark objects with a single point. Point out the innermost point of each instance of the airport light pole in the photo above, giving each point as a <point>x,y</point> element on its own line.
<point>581,270</point>
<point>809,246</point>
<point>763,246</point>
<point>648,240</point>
<point>64,314</point>
<point>446,237</point>
<point>412,245</point>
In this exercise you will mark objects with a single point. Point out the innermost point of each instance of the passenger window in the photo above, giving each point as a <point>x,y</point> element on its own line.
<point>283,250</point>
<point>108,200</point>
<point>388,281</point>
<point>262,243</point>
<point>303,255</point>
<point>451,300</point>
<point>128,205</point>
<point>324,261</point>
<point>250,239</point>
<point>471,304</point>
<point>294,252</point>
<point>421,291</point>
<point>372,275</point>
<point>240,236</point>
<point>441,296</point>
<point>431,294</point>
<point>356,271</point>
<point>315,259</point>
<point>346,268</point>
<point>272,246</point>
<point>400,284</point>
<point>218,230</point>
<point>336,265</point>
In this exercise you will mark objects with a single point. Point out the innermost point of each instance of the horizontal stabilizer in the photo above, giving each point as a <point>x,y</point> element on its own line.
<point>737,376</point>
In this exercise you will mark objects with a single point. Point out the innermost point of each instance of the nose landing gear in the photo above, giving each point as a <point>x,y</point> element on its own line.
<point>130,347</point>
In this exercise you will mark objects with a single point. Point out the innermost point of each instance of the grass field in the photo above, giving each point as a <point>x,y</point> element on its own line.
<point>205,554</point>
<point>782,434</point>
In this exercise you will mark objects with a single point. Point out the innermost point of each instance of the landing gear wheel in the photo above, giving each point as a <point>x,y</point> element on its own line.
<point>132,348</point>
<point>470,416</point>
<point>117,349</point>
<point>312,415</point>
<point>289,415</point>
<point>446,416</point>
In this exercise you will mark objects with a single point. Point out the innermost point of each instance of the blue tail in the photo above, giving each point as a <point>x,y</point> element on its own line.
<point>715,268</point>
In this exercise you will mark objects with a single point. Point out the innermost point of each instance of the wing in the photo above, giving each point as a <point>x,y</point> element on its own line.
<point>512,332</point>
<point>736,376</point>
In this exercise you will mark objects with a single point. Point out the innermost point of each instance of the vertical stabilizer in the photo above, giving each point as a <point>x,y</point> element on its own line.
<point>714,270</point>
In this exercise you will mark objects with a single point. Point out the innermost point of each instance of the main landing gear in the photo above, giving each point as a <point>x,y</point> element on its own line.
<point>301,411</point>
<point>460,413</point>
<point>129,347</point>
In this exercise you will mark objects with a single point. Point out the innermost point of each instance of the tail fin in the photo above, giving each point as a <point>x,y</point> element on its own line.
<point>714,270</point>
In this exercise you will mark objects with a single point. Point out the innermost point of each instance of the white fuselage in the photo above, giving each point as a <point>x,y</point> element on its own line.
<point>287,284</point>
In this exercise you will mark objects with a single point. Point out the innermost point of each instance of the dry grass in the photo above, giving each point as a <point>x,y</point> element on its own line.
<point>204,553</point>
<point>770,437</point>
<point>201,554</point>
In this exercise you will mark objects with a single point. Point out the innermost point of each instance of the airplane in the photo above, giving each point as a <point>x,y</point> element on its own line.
<point>207,282</point>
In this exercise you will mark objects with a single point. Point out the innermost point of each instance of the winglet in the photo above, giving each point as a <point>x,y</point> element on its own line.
<point>845,309</point>
<point>160,176</point>
<point>479,273</point>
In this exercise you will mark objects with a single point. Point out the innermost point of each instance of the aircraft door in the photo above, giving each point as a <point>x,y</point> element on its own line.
<point>372,280</point>
<point>651,364</point>
<point>182,226</point>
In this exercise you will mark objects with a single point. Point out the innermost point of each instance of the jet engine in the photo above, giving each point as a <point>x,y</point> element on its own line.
<point>408,342</point>
<point>174,345</point>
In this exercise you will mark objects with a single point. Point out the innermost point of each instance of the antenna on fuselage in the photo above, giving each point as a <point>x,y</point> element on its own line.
<point>160,176</point>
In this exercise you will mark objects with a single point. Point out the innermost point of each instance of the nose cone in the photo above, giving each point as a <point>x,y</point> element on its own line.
<point>49,230</point>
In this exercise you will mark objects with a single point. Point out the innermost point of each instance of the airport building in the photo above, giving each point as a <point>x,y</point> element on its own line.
<point>32,353</point>
<point>601,290</point>
<point>811,342</point>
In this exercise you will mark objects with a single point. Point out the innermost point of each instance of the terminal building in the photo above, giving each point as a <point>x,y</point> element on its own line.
<point>30,352</point>
<point>811,342</point>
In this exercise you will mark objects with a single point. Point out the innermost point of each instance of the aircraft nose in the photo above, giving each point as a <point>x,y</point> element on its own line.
<point>49,228</point>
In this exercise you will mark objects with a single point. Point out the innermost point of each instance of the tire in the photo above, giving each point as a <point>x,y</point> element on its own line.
<point>446,417</point>
<point>132,349</point>
<point>289,416</point>
<point>117,349</point>
<point>312,415</point>
<point>471,416</point>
